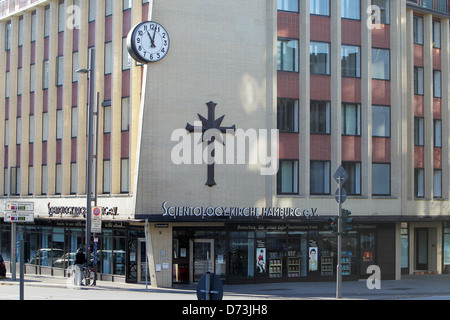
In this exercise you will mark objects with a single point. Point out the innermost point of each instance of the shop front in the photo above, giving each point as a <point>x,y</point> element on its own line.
<point>270,252</point>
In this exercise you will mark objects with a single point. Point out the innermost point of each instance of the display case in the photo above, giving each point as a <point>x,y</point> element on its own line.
<point>346,265</point>
<point>275,268</point>
<point>326,266</point>
<point>294,267</point>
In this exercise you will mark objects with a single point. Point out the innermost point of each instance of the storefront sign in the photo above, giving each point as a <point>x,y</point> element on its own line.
<point>238,212</point>
<point>78,211</point>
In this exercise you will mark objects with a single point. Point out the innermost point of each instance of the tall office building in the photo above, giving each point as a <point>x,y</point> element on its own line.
<point>306,86</point>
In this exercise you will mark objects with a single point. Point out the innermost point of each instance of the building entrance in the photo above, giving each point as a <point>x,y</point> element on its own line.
<point>421,236</point>
<point>202,258</point>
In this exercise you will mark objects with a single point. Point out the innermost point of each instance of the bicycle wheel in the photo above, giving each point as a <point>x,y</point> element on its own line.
<point>90,278</point>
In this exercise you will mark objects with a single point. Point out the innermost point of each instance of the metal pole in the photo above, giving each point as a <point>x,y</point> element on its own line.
<point>146,255</point>
<point>89,156</point>
<point>13,251</point>
<point>339,248</point>
<point>21,268</point>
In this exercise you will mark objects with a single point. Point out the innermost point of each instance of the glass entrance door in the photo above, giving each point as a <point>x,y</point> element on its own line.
<point>421,248</point>
<point>201,258</point>
<point>141,263</point>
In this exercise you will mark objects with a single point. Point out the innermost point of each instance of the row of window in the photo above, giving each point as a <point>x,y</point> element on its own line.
<point>287,59</point>
<point>13,182</point>
<point>419,34</point>
<point>320,120</point>
<point>350,9</point>
<point>320,179</point>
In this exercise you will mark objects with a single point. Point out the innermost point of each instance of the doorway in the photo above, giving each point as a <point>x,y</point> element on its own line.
<point>141,261</point>
<point>421,244</point>
<point>201,258</point>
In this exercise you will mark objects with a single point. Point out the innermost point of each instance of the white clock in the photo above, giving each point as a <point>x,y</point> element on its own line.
<point>148,41</point>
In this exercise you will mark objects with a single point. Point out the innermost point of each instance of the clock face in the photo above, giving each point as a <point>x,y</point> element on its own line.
<point>148,42</point>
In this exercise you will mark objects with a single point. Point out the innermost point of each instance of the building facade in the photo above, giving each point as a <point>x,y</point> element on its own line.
<point>305,87</point>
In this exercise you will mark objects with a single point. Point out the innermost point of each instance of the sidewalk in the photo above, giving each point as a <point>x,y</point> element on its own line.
<point>410,287</point>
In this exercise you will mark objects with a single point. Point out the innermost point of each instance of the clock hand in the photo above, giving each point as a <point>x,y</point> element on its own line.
<point>151,39</point>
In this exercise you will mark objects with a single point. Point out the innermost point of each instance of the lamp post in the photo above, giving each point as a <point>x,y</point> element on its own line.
<point>91,74</point>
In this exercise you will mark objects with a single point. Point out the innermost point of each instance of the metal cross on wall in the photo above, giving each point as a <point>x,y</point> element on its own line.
<point>208,124</point>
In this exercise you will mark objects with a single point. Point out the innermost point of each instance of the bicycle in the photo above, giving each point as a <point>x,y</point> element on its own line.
<point>89,277</point>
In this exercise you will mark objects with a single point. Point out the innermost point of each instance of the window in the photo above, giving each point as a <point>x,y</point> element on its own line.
<point>6,132</point>
<point>44,180</point>
<point>320,7</point>
<point>59,178</point>
<point>47,22</point>
<point>351,119</point>
<point>320,58</point>
<point>92,10</point>
<point>60,70</point>
<point>418,80</point>
<point>384,10</point>
<point>287,178</point>
<point>109,7</point>
<point>45,74</point>
<point>108,58</point>
<point>437,84</point>
<point>61,17</point>
<point>8,37</point>
<point>320,177</point>
<point>32,78</point>
<point>33,27</point>
<point>381,179</point>
<point>437,183</point>
<point>73,178</point>
<point>381,121</point>
<point>30,180</point>
<point>437,133</point>
<point>126,58</point>
<point>59,124</point>
<point>287,115</point>
<point>107,119</point>
<point>380,64</point>
<point>418,131</point>
<point>436,34</point>
<point>124,174</point>
<point>74,119</point>
<point>320,117</point>
<point>45,125</point>
<point>350,61</point>
<point>106,176</point>
<point>287,58</point>
<point>418,183</point>
<point>19,81</point>
<point>418,29</point>
<point>127,4</point>
<point>287,5</point>
<point>75,66</point>
<point>350,9</point>
<point>8,85</point>
<point>125,121</point>
<point>19,131</point>
<point>20,32</point>
<point>15,181</point>
<point>353,183</point>
<point>32,131</point>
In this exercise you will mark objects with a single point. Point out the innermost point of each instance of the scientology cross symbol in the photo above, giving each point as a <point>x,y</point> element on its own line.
<point>207,124</point>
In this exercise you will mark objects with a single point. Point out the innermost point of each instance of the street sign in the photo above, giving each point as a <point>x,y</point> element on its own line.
<point>343,195</point>
<point>96,220</point>
<point>340,172</point>
<point>19,217</point>
<point>19,206</point>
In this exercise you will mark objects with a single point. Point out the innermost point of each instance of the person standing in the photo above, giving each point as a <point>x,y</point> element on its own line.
<point>80,260</point>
